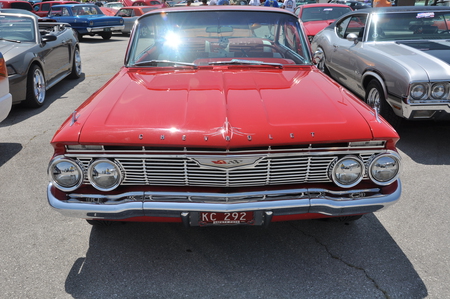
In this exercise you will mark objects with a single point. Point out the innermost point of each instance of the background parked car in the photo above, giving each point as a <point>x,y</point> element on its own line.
<point>38,55</point>
<point>354,4</point>
<point>16,4</point>
<point>5,96</point>
<point>317,16</point>
<point>130,14</point>
<point>114,5</point>
<point>395,58</point>
<point>86,19</point>
<point>111,8</point>
<point>42,8</point>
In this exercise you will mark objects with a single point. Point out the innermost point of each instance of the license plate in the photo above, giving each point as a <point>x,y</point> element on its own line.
<point>107,29</point>
<point>232,218</point>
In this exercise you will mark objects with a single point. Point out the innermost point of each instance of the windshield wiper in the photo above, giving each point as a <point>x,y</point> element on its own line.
<point>10,40</point>
<point>250,62</point>
<point>156,61</point>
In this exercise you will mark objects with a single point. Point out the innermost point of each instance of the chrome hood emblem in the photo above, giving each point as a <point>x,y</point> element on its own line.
<point>227,131</point>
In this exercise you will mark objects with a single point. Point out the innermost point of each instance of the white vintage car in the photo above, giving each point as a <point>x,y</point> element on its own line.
<point>395,58</point>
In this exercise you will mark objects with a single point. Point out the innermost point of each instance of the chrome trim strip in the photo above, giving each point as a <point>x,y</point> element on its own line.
<point>215,155</point>
<point>186,151</point>
<point>129,204</point>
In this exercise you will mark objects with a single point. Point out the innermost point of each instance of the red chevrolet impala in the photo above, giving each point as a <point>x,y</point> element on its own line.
<point>220,117</point>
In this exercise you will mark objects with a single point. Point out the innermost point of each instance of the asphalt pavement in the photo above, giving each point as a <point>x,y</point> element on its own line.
<point>400,252</point>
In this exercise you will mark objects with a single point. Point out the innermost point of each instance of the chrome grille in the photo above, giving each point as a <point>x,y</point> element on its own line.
<point>183,170</point>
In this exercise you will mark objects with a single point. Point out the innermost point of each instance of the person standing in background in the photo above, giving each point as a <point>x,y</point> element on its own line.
<point>271,3</point>
<point>289,5</point>
<point>254,3</point>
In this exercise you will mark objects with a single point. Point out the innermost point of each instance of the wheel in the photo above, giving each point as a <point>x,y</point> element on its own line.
<point>76,65</point>
<point>342,218</point>
<point>100,222</point>
<point>36,87</point>
<point>106,35</point>
<point>78,35</point>
<point>375,98</point>
<point>321,65</point>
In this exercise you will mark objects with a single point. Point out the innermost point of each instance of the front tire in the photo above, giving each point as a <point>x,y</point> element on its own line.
<point>100,223</point>
<point>78,35</point>
<point>76,65</point>
<point>375,98</point>
<point>36,87</point>
<point>106,35</point>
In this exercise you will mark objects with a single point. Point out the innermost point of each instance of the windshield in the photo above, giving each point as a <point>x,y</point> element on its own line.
<point>207,37</point>
<point>17,28</point>
<point>321,13</point>
<point>86,10</point>
<point>409,26</point>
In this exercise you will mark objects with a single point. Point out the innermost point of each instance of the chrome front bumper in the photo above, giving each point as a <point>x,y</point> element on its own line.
<point>408,110</point>
<point>105,28</point>
<point>173,204</point>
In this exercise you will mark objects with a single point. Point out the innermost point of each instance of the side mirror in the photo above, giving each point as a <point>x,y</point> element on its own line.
<point>48,38</point>
<point>318,56</point>
<point>351,37</point>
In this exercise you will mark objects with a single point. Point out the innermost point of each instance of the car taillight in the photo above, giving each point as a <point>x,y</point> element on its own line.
<point>3,71</point>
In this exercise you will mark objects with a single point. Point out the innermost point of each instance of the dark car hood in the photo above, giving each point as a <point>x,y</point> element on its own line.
<point>219,108</point>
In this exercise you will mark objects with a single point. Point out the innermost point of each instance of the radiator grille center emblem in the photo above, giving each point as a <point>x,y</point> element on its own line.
<point>227,162</point>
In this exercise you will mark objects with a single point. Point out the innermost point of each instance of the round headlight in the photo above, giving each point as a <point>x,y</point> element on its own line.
<point>66,174</point>
<point>104,175</point>
<point>348,171</point>
<point>418,91</point>
<point>438,91</point>
<point>384,169</point>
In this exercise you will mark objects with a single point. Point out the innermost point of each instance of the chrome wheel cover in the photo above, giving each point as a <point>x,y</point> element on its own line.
<point>373,99</point>
<point>321,64</point>
<point>77,62</point>
<point>39,85</point>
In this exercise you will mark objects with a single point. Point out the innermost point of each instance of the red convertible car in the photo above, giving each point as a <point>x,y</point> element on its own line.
<point>220,117</point>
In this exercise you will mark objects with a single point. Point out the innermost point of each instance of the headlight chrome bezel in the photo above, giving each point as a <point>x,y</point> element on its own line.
<point>335,176</point>
<point>372,163</point>
<point>366,169</point>
<point>429,92</point>
<point>94,182</point>
<point>54,179</point>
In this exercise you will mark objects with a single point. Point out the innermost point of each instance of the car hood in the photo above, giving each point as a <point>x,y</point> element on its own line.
<point>430,59</point>
<point>10,49</point>
<point>313,27</point>
<point>225,108</point>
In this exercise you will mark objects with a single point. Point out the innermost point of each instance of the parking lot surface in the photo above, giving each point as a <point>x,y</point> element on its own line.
<point>401,252</point>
